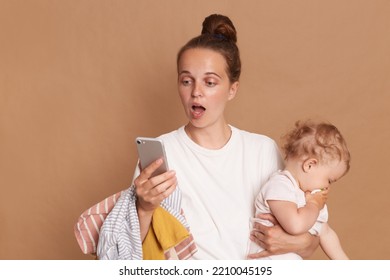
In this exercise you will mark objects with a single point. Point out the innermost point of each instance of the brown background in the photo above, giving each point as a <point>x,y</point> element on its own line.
<point>80,79</point>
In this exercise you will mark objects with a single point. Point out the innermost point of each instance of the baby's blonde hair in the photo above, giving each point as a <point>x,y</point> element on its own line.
<point>322,141</point>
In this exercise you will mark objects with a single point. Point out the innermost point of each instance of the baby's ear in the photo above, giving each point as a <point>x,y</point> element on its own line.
<point>309,164</point>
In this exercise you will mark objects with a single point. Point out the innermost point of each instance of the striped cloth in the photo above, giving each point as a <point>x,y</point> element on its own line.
<point>88,225</point>
<point>111,228</point>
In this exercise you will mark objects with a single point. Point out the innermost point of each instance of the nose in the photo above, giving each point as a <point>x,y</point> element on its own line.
<point>196,91</point>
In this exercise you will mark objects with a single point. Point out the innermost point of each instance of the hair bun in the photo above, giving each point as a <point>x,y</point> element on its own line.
<point>219,26</point>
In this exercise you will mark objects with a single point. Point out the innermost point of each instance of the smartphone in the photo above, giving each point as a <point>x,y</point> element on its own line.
<point>149,150</point>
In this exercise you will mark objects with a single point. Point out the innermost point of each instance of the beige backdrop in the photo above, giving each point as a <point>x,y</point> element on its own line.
<point>80,79</point>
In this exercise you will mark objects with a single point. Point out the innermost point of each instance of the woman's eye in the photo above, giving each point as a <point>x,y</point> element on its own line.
<point>210,83</point>
<point>186,82</point>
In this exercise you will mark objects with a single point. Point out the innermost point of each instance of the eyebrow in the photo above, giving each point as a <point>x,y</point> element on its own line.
<point>213,73</point>
<point>207,73</point>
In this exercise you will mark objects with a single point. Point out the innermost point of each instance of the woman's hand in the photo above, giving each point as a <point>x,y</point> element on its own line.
<point>151,191</point>
<point>276,241</point>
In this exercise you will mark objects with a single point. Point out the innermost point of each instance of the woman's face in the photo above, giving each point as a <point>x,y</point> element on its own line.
<point>204,86</point>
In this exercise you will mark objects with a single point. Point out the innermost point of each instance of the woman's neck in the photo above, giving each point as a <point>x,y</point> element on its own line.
<point>213,138</point>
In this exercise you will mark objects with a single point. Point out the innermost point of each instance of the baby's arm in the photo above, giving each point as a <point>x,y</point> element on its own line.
<point>330,243</point>
<point>294,220</point>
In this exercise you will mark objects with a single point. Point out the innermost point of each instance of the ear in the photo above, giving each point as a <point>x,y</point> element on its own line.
<point>309,164</point>
<point>233,90</point>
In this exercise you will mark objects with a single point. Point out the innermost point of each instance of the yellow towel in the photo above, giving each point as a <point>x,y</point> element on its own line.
<point>164,233</point>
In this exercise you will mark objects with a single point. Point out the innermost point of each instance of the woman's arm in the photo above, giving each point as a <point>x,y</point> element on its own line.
<point>151,191</point>
<point>276,241</point>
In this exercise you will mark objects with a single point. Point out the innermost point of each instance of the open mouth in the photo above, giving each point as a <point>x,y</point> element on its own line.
<point>198,108</point>
<point>197,111</point>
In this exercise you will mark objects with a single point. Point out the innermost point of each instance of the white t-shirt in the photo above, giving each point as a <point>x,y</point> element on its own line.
<point>219,188</point>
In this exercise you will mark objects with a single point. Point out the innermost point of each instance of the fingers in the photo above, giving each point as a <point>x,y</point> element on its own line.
<point>148,171</point>
<point>149,198</point>
<point>152,190</point>
<point>325,192</point>
<point>258,233</point>
<point>261,254</point>
<point>257,237</point>
<point>155,185</point>
<point>269,217</point>
<point>162,185</point>
<point>318,197</point>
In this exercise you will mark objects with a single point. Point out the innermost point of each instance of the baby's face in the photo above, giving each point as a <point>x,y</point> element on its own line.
<point>323,175</point>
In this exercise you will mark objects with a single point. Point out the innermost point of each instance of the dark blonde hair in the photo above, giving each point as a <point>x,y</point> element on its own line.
<point>322,141</point>
<point>218,34</point>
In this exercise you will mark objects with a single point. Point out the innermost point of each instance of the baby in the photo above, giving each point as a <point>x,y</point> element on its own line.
<point>316,156</point>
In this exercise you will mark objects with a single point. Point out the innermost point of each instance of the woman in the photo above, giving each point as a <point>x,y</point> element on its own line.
<point>217,169</point>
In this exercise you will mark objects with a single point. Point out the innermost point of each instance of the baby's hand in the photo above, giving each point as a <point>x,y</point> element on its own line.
<point>317,197</point>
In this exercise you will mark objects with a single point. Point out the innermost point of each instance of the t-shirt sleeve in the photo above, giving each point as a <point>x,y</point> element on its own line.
<point>279,187</point>
<point>270,160</point>
<point>275,161</point>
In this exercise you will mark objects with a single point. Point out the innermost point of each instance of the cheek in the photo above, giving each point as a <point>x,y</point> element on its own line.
<point>312,181</point>
<point>219,104</point>
<point>182,96</point>
<point>220,98</point>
